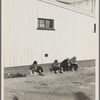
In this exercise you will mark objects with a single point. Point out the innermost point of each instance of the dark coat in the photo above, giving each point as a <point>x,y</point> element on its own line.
<point>32,67</point>
<point>65,64</point>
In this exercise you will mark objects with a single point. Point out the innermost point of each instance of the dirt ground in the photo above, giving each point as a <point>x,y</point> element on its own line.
<point>76,85</point>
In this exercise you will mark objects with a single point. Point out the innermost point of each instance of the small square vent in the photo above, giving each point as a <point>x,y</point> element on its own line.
<point>46,55</point>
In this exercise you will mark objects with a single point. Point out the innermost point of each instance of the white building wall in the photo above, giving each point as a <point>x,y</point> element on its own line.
<point>22,43</point>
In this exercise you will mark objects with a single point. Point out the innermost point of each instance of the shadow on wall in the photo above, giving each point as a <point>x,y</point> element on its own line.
<point>81,96</point>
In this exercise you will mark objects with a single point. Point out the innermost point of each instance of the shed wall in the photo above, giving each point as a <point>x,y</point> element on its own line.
<point>22,43</point>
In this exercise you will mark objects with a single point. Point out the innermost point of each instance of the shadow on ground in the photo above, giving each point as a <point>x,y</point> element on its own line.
<point>81,96</point>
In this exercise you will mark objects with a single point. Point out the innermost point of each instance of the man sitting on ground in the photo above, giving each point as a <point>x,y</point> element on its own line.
<point>35,68</point>
<point>74,63</point>
<point>66,65</point>
<point>55,66</point>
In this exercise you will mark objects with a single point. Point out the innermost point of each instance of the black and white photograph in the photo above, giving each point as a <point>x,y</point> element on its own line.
<point>49,49</point>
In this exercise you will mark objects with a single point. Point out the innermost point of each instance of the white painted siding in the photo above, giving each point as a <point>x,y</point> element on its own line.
<point>23,43</point>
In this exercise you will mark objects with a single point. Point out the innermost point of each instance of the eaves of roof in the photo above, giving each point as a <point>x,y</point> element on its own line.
<point>70,1</point>
<point>68,7</point>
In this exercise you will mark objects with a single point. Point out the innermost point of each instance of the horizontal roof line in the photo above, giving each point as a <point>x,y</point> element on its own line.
<point>65,2</point>
<point>58,4</point>
<point>71,1</point>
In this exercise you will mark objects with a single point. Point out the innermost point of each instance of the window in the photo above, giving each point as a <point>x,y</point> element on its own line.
<point>94,28</point>
<point>45,24</point>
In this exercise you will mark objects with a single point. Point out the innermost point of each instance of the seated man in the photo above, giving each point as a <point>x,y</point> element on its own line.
<point>39,70</point>
<point>74,63</point>
<point>55,66</point>
<point>35,68</point>
<point>66,65</point>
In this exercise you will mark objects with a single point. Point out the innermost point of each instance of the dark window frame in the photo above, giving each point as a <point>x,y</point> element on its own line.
<point>94,27</point>
<point>42,26</point>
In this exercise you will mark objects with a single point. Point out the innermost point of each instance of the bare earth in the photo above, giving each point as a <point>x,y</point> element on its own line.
<point>76,85</point>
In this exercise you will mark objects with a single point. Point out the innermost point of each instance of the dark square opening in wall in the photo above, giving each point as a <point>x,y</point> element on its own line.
<point>46,55</point>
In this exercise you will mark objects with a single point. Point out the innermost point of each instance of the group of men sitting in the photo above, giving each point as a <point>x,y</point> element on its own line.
<point>65,65</point>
